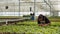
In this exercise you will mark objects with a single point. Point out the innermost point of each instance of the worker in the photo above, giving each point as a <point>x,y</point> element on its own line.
<point>43,20</point>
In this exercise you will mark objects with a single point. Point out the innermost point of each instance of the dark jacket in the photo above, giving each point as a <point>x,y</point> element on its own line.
<point>44,19</point>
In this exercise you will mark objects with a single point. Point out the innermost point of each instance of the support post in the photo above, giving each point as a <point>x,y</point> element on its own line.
<point>19,8</point>
<point>6,22</point>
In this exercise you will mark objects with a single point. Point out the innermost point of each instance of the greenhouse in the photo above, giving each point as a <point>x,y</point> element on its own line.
<point>21,7</point>
<point>29,16</point>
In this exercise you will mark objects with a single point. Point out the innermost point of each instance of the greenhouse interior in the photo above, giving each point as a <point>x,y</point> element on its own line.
<point>24,16</point>
<point>25,7</point>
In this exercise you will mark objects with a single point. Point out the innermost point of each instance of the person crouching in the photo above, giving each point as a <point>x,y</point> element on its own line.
<point>43,20</point>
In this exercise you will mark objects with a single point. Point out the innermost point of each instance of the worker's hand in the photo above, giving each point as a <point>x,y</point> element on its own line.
<point>43,24</point>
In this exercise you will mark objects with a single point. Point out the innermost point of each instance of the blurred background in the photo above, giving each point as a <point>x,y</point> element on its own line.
<point>25,7</point>
<point>13,12</point>
<point>20,8</point>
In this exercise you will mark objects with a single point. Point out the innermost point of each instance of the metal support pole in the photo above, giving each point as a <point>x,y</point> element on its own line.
<point>50,8</point>
<point>19,8</point>
<point>34,8</point>
<point>14,9</point>
<point>50,11</point>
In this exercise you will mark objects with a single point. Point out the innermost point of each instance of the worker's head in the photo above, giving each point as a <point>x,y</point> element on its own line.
<point>40,17</point>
